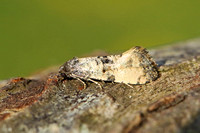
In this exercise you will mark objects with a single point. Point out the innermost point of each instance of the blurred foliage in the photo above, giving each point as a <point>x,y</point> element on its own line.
<point>35,34</point>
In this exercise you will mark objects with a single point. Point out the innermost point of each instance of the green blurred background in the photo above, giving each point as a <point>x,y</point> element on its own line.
<point>35,34</point>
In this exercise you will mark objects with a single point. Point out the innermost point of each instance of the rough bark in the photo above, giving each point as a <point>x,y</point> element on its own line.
<point>41,103</point>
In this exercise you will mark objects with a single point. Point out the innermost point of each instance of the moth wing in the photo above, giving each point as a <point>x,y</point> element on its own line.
<point>135,66</point>
<point>93,68</point>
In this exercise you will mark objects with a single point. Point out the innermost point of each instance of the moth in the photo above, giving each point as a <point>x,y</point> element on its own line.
<point>134,66</point>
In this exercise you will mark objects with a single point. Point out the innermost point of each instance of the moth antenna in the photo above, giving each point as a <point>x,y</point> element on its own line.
<point>95,83</point>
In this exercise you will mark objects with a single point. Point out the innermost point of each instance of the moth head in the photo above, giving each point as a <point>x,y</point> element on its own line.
<point>67,69</point>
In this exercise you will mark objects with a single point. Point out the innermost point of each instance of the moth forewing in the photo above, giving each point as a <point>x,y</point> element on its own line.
<point>134,66</point>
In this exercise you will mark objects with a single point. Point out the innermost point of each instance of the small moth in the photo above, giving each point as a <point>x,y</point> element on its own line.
<point>134,66</point>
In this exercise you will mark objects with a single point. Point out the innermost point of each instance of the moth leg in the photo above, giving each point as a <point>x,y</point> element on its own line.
<point>95,83</point>
<point>102,81</point>
<point>63,85</point>
<point>84,84</point>
<point>128,85</point>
